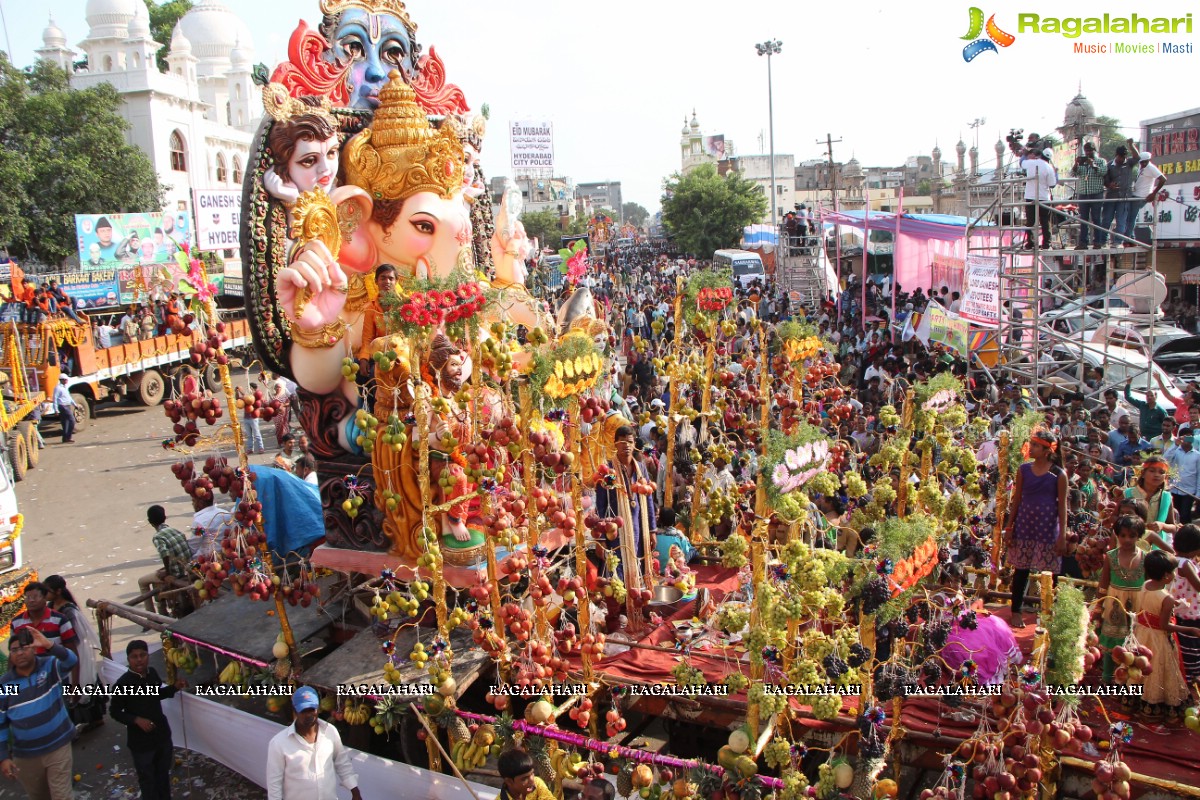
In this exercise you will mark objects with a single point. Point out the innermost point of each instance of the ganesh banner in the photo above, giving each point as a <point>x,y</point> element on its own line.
<point>532,146</point>
<point>111,241</point>
<point>218,220</point>
<point>939,326</point>
<point>981,291</point>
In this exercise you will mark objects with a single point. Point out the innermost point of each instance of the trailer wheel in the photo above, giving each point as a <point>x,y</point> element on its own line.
<point>152,388</point>
<point>212,377</point>
<point>28,432</point>
<point>82,411</point>
<point>18,453</point>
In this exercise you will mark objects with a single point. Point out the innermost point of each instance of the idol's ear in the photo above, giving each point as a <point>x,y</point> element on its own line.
<point>354,207</point>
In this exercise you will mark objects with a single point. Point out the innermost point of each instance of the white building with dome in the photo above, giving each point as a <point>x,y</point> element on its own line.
<point>196,121</point>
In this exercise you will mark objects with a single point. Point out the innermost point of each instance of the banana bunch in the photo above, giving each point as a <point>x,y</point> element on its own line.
<point>473,752</point>
<point>387,716</point>
<point>567,763</point>
<point>356,713</point>
<point>183,658</point>
<point>232,674</point>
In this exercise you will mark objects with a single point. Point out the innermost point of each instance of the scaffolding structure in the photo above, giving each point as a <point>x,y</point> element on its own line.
<point>1035,349</point>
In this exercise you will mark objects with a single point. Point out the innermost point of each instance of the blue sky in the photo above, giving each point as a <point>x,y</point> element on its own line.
<point>617,78</point>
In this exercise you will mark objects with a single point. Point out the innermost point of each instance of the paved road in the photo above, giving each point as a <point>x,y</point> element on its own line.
<point>85,511</point>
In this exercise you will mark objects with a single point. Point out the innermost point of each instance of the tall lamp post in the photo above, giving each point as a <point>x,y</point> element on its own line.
<point>769,48</point>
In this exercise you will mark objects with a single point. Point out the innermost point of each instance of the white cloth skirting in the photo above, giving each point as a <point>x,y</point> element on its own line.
<point>239,741</point>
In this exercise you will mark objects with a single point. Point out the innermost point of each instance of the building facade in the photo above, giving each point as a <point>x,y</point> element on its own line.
<point>195,121</point>
<point>602,194</point>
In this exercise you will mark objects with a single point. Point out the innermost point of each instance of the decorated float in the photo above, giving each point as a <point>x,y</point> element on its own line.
<point>479,514</point>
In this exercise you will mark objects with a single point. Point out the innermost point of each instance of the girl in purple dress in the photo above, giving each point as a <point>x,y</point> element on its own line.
<point>1035,535</point>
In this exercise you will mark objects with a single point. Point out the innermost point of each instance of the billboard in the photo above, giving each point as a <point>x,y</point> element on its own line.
<point>97,288</point>
<point>532,146</point>
<point>714,146</point>
<point>981,300</point>
<point>1175,143</point>
<point>218,220</point>
<point>112,241</point>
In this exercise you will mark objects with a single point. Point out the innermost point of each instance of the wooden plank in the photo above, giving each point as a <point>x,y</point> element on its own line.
<point>244,626</point>
<point>359,662</point>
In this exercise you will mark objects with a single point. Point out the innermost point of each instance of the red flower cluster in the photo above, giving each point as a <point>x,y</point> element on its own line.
<point>436,307</point>
<point>714,299</point>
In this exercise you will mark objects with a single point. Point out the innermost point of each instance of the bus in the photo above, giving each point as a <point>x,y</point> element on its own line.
<point>747,266</point>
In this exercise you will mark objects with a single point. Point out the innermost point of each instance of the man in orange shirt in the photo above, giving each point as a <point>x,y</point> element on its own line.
<point>374,318</point>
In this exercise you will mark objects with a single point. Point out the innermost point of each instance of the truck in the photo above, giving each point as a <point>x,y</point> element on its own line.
<point>146,370</point>
<point>19,440</point>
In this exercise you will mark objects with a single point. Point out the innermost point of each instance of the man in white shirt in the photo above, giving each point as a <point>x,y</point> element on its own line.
<point>307,760</point>
<point>1039,180</point>
<point>209,523</point>
<point>1147,184</point>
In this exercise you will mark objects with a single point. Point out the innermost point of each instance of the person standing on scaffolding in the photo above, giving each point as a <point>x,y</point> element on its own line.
<point>1089,169</point>
<point>1039,180</point>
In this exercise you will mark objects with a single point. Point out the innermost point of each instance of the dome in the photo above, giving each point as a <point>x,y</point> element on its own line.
<point>695,124</point>
<point>179,43</point>
<point>937,152</point>
<point>139,26</point>
<point>999,147</point>
<point>214,31</point>
<point>1080,111</point>
<point>961,147</point>
<point>239,57</point>
<point>53,35</point>
<point>110,18</point>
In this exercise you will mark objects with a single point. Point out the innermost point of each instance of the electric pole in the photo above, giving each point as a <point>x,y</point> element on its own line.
<point>833,171</point>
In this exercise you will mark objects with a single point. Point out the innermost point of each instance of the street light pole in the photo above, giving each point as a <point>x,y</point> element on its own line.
<point>768,49</point>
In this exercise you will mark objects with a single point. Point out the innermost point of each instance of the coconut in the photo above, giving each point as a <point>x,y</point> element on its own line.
<point>739,741</point>
<point>538,712</point>
<point>843,775</point>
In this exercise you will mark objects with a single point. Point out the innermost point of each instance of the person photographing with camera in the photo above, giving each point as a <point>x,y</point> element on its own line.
<point>1040,178</point>
<point>1089,172</point>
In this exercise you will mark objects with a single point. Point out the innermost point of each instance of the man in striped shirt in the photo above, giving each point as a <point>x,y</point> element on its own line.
<point>35,730</point>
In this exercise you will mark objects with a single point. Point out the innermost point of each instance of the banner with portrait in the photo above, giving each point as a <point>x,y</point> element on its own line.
<point>714,146</point>
<point>112,241</point>
<point>96,289</point>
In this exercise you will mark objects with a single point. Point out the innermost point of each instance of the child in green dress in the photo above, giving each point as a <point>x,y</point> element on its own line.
<point>1121,579</point>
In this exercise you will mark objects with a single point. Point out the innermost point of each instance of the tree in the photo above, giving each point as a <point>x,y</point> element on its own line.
<point>162,23</point>
<point>543,226</point>
<point>635,214</point>
<point>62,153</point>
<point>704,212</point>
<point>1111,136</point>
<point>924,188</point>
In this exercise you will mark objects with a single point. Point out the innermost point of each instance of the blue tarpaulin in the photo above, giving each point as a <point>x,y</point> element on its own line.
<point>291,510</point>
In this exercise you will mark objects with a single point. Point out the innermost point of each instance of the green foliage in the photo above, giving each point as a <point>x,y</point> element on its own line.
<point>1111,136</point>
<point>543,226</point>
<point>163,17</point>
<point>635,214</point>
<point>1068,635</point>
<point>1020,430</point>
<point>795,330</point>
<point>704,212</point>
<point>62,153</point>
<point>897,538</point>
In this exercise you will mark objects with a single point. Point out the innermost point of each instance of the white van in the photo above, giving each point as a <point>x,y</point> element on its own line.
<point>747,266</point>
<point>10,549</point>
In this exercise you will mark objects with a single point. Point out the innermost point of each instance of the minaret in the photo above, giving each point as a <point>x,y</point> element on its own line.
<point>243,106</point>
<point>974,156</point>
<point>54,47</point>
<point>961,149</point>
<point>180,60</point>
<point>140,48</point>
<point>999,158</point>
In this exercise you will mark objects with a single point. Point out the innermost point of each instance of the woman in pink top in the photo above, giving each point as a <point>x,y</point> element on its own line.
<point>1185,589</point>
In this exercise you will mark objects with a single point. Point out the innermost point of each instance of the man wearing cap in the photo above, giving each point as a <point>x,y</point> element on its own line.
<point>1039,180</point>
<point>1089,171</point>
<point>65,405</point>
<point>1118,188</point>
<point>307,760</point>
<point>137,704</point>
<point>1147,185</point>
<point>104,235</point>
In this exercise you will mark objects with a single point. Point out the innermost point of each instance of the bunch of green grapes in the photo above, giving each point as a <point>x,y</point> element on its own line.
<point>826,706</point>
<point>956,507</point>
<point>882,493</point>
<point>954,417</point>
<point>888,416</point>
<point>888,456</point>
<point>795,785</point>
<point>731,620</point>
<point>966,459</point>
<point>931,497</point>
<point>778,752</point>
<point>864,517</point>
<point>825,483</point>
<point>733,552</point>
<point>816,644</point>
<point>804,672</point>
<point>833,603</point>
<point>855,485</point>
<point>851,677</point>
<point>718,506</point>
<point>687,675</point>
<point>826,785</point>
<point>769,704</point>
<point>736,681</point>
<point>789,508</point>
<point>971,486</point>
<point>809,576</point>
